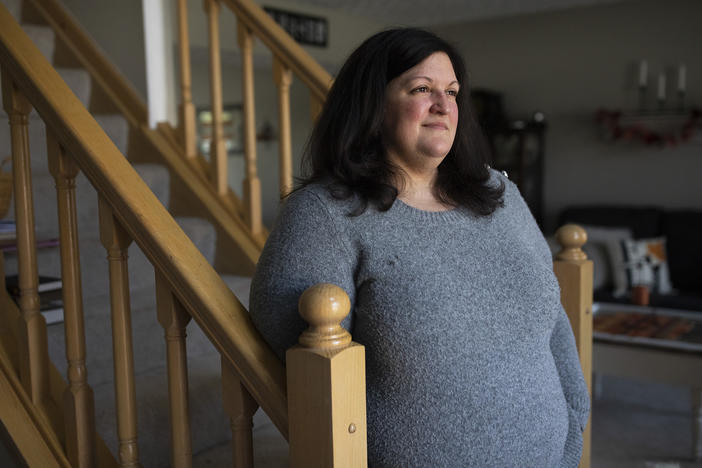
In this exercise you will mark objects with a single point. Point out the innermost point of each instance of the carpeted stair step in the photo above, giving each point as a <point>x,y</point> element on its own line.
<point>270,449</point>
<point>240,286</point>
<point>43,37</point>
<point>44,197</point>
<point>117,128</point>
<point>14,7</point>
<point>210,427</point>
<point>79,81</point>
<point>209,423</point>
<point>92,253</point>
<point>147,337</point>
<point>202,233</point>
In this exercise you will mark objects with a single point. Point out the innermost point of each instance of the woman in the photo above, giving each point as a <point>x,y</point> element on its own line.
<point>470,357</point>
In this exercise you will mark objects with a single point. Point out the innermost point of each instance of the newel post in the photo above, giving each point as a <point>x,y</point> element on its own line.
<point>326,386</point>
<point>574,272</point>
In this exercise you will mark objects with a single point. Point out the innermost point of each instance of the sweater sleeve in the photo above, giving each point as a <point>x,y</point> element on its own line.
<point>574,387</point>
<point>305,247</point>
<point>563,348</point>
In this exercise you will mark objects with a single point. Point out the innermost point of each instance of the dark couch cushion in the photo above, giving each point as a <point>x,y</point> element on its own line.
<point>643,221</point>
<point>683,300</point>
<point>682,229</point>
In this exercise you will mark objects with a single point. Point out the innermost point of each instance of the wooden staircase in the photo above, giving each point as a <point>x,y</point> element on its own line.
<point>119,413</point>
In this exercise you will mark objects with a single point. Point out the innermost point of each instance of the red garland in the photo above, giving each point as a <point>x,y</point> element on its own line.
<point>610,119</point>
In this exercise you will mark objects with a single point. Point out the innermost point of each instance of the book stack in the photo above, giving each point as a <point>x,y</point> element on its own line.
<point>50,296</point>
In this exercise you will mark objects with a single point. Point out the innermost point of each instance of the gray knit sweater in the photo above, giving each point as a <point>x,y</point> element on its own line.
<point>470,357</point>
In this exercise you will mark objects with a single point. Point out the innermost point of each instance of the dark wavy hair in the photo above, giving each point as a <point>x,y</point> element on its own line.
<point>346,149</point>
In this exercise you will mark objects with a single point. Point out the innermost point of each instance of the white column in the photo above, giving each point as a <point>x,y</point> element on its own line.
<point>158,42</point>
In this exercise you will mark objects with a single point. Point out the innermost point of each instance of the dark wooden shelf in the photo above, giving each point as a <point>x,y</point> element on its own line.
<point>517,148</point>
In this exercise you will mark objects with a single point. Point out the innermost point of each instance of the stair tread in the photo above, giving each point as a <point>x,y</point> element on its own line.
<point>78,80</point>
<point>240,286</point>
<point>209,423</point>
<point>147,335</point>
<point>44,194</point>
<point>202,233</point>
<point>14,7</point>
<point>158,179</point>
<point>270,449</point>
<point>117,128</point>
<point>43,37</point>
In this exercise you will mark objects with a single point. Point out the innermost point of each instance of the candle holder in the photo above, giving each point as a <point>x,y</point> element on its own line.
<point>660,95</point>
<point>640,295</point>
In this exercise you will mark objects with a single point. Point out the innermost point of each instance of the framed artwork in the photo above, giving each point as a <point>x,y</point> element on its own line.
<point>232,125</point>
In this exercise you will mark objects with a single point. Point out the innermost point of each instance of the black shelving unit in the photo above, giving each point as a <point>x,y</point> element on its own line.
<point>517,147</point>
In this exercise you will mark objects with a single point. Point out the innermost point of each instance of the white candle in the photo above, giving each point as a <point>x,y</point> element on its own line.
<point>661,87</point>
<point>682,79</point>
<point>643,74</point>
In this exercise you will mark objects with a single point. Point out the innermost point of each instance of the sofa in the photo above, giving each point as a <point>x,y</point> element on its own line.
<point>648,245</point>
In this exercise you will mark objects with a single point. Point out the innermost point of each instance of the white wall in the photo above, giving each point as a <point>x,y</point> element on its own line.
<point>569,63</point>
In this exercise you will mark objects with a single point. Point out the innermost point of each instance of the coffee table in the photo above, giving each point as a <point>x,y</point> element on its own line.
<point>655,344</point>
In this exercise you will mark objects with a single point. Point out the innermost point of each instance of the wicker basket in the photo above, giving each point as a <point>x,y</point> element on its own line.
<point>5,187</point>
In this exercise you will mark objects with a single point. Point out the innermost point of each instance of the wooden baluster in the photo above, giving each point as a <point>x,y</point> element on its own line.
<point>218,151</point>
<point>173,318</point>
<point>240,406</point>
<point>326,385</point>
<point>32,339</point>
<point>116,241</point>
<point>252,184</point>
<point>78,401</point>
<point>574,273</point>
<point>187,109</point>
<point>283,78</point>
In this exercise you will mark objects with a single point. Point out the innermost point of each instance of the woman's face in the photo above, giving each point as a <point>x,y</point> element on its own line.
<point>421,115</point>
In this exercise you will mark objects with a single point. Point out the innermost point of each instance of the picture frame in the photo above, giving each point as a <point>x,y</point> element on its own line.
<point>232,129</point>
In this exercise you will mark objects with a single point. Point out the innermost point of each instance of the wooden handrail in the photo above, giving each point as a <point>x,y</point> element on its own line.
<point>198,287</point>
<point>289,52</point>
<point>115,92</point>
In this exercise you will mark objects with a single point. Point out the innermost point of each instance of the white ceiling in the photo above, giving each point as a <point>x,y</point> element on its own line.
<point>433,12</point>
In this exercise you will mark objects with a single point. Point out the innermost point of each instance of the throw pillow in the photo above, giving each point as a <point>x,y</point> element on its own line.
<point>646,264</point>
<point>604,248</point>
